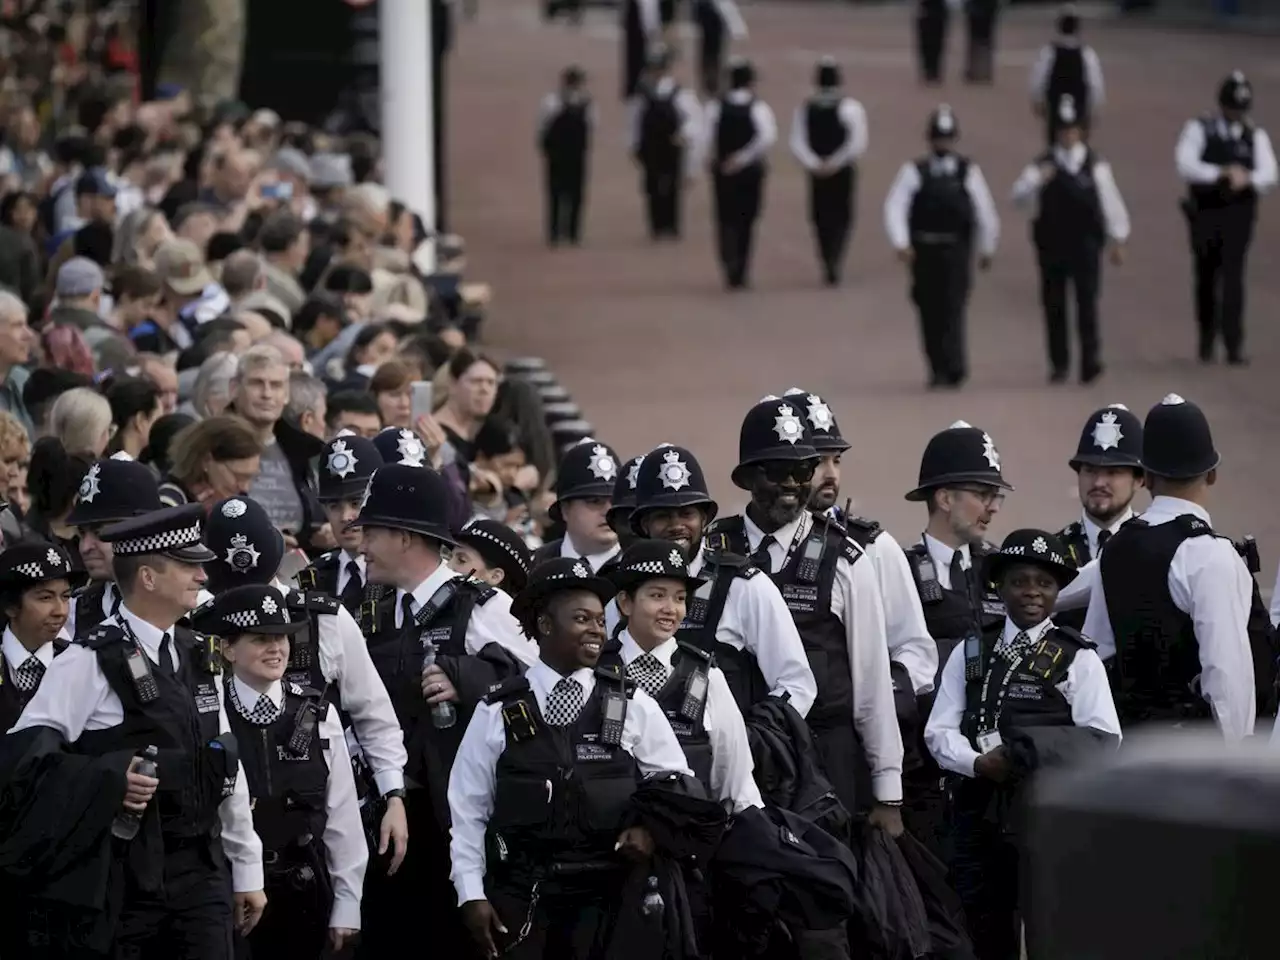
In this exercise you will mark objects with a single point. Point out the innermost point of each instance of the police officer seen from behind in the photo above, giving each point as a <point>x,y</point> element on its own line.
<point>36,581</point>
<point>565,123</point>
<point>304,801</point>
<point>539,850</point>
<point>1024,690</point>
<point>828,137</point>
<point>112,490</point>
<point>740,130</point>
<point>641,35</point>
<point>1066,67</point>
<point>493,553</point>
<point>1175,597</point>
<point>933,17</point>
<point>981,17</point>
<point>1227,163</point>
<point>718,21</point>
<point>584,486</point>
<point>1077,211</point>
<point>666,126</point>
<point>937,209</point>
<point>738,614</point>
<point>137,680</point>
<point>834,598</point>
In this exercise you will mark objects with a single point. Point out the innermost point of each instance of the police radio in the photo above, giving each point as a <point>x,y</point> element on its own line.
<point>144,681</point>
<point>811,555</point>
<point>972,657</point>
<point>304,725</point>
<point>930,588</point>
<point>695,696</point>
<point>615,715</point>
<point>1248,550</point>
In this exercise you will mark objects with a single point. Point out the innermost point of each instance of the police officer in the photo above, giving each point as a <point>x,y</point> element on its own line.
<point>401,445</point>
<point>738,614</point>
<point>936,208</point>
<point>1227,162</point>
<point>980,18</point>
<point>1000,695</point>
<point>740,130</point>
<point>559,833</point>
<point>1067,67</point>
<point>565,124</point>
<point>717,21</point>
<point>1076,211</point>
<point>623,502</point>
<point>933,17</point>
<point>665,125</point>
<point>345,465</point>
<point>584,485</point>
<point>112,490</point>
<point>833,596</point>
<point>36,580</point>
<point>304,803</point>
<point>642,31</point>
<point>138,680</point>
<point>492,552</point>
<point>427,613</point>
<point>828,136</point>
<point>1175,597</point>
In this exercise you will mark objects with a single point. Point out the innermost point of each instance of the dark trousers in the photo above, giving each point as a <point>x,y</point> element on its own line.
<point>931,41</point>
<point>633,57</point>
<point>565,925</point>
<point>981,21</point>
<point>844,762</point>
<point>984,872</point>
<point>1220,247</point>
<point>831,213</point>
<point>566,180</point>
<point>940,279</point>
<point>1082,271</point>
<point>711,57</point>
<point>189,917</point>
<point>738,200</point>
<point>663,180</point>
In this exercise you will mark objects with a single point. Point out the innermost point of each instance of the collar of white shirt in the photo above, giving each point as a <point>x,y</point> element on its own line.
<point>122,455</point>
<point>597,560</point>
<point>739,97</point>
<point>1092,528</point>
<point>784,536</point>
<point>148,635</point>
<point>632,650</point>
<point>248,696</point>
<point>15,654</point>
<point>542,680</point>
<point>1166,508</point>
<point>664,86</point>
<point>344,558</point>
<point>1011,631</point>
<point>423,591</point>
<point>1073,157</point>
<point>941,554</point>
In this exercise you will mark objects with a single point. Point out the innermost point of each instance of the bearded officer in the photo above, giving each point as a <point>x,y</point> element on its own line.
<point>831,590</point>
<point>828,137</point>
<point>584,489</point>
<point>936,209</point>
<point>1227,163</point>
<point>112,491</point>
<point>1175,597</point>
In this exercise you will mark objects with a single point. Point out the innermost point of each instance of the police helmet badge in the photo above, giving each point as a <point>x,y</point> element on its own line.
<point>89,486</point>
<point>674,471</point>
<point>990,452</point>
<point>269,606</point>
<point>602,465</point>
<point>1107,432</point>
<point>581,570</point>
<point>242,555</point>
<point>53,557</point>
<point>1039,545</point>
<point>787,425</point>
<point>234,509</point>
<point>1171,400</point>
<point>819,414</point>
<point>342,462</point>
<point>675,558</point>
<point>412,452</point>
<point>633,473</point>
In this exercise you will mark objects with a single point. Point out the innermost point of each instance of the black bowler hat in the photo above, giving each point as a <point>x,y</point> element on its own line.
<point>943,124</point>
<point>407,498</point>
<point>959,454</point>
<point>1176,442</point>
<point>499,546</point>
<point>741,73</point>
<point>1236,92</point>
<point>346,465</point>
<point>824,432</point>
<point>623,500</point>
<point>587,469</point>
<point>114,490</point>
<point>27,563</point>
<point>670,477</point>
<point>556,576</point>
<point>173,532</point>
<point>398,445</point>
<point>772,430</point>
<point>247,546</point>
<point>827,73</point>
<point>648,560</point>
<point>1112,437</point>
<point>1036,547</point>
<point>249,608</point>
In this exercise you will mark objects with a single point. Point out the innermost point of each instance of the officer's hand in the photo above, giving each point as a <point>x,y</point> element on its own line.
<point>1047,171</point>
<point>248,910</point>
<point>483,922</point>
<point>993,765</point>
<point>436,685</point>
<point>394,831</point>
<point>635,843</point>
<point>138,790</point>
<point>984,263</point>
<point>887,818</point>
<point>1117,254</point>
<point>907,256</point>
<point>339,936</point>
<point>1239,177</point>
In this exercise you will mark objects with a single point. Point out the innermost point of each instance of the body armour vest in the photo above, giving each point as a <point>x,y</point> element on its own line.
<point>953,614</point>
<point>1067,77</point>
<point>1222,149</point>
<point>1070,213</point>
<point>567,134</point>
<point>734,129</point>
<point>942,210</point>
<point>89,612</point>
<point>560,793</point>
<point>822,119</point>
<point>304,669</point>
<point>659,126</point>
<point>322,577</point>
<point>12,700</point>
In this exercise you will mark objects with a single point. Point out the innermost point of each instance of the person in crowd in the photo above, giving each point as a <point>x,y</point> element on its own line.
<point>135,407</point>
<point>53,479</point>
<point>81,419</point>
<point>666,137</point>
<point>565,124</point>
<point>16,340</point>
<point>354,411</point>
<point>1066,67</point>
<point>211,391</point>
<point>210,460</point>
<point>306,407</point>
<point>472,391</point>
<point>391,387</point>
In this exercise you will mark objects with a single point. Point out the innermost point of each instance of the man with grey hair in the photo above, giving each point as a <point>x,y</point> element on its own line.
<point>290,349</point>
<point>307,407</point>
<point>78,289</point>
<point>16,340</point>
<point>243,272</point>
<point>211,394</point>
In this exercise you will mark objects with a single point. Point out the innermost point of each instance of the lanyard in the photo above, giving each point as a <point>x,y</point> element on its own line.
<point>1015,653</point>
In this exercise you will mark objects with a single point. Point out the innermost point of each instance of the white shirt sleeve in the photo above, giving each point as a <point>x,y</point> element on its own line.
<point>492,622</point>
<point>910,643</point>
<point>732,18</point>
<point>650,19</point>
<point>1275,600</point>
<point>1264,162</point>
<point>546,111</point>
<point>1114,211</point>
<point>240,842</point>
<point>770,635</point>
<point>1076,594</point>
<point>853,116</point>
<point>897,206</point>
<point>732,767</point>
<point>1097,618</point>
<point>472,781</point>
<point>691,128</point>
<point>799,141</point>
<point>647,736</point>
<point>635,114</point>
<point>984,209</point>
<point>1040,73</point>
<point>1093,78</point>
<point>346,851</point>
<point>72,692</point>
<point>950,748</point>
<point>1187,156</point>
<point>766,133</point>
<point>1026,190</point>
<point>710,120</point>
<point>1088,691</point>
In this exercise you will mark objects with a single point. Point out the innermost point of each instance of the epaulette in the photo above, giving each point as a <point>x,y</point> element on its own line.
<point>83,590</point>
<point>209,652</point>
<point>204,610</point>
<point>313,601</point>
<point>850,549</point>
<point>1194,526</point>
<point>692,650</point>
<point>103,635</point>
<point>325,557</point>
<point>298,690</point>
<point>984,548</point>
<point>1073,529</point>
<point>1076,637</point>
<point>484,591</point>
<point>863,529</point>
<point>508,687</point>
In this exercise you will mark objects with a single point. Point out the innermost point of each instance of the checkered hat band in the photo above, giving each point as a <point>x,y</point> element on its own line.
<point>159,542</point>
<point>243,618</point>
<point>482,534</point>
<point>33,570</point>
<point>1021,551</point>
<point>656,567</point>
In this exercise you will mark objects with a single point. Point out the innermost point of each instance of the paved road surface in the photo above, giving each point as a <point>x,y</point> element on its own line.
<point>655,350</point>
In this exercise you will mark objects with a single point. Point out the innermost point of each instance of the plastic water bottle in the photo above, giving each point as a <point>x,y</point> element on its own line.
<point>653,905</point>
<point>443,714</point>
<point>126,824</point>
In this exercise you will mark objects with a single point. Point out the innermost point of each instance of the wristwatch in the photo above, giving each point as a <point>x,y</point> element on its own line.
<point>398,792</point>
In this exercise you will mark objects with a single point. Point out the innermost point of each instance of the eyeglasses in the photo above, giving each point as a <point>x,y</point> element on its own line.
<point>779,471</point>
<point>987,496</point>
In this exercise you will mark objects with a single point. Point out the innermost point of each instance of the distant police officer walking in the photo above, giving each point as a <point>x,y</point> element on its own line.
<point>828,137</point>
<point>642,32</point>
<point>666,122</point>
<point>981,17</point>
<point>937,210</point>
<point>718,21</point>
<point>1076,212</point>
<point>933,17</point>
<point>1227,163</point>
<point>565,125</point>
<point>740,130</point>
<point>1067,67</point>
<point>584,485</point>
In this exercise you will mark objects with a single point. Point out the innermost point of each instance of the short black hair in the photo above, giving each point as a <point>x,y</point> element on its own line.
<point>349,401</point>
<point>497,437</point>
<point>319,304</point>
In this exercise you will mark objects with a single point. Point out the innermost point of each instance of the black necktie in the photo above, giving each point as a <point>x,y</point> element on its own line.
<point>959,578</point>
<point>761,557</point>
<point>353,593</point>
<point>407,606</point>
<point>1103,537</point>
<point>166,658</point>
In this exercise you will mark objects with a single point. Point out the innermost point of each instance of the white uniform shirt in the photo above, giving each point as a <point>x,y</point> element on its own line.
<point>852,116</point>
<point>942,555</point>
<point>346,850</point>
<point>1085,688</point>
<point>897,206</point>
<point>855,601</point>
<point>1210,583</point>
<point>731,17</point>
<point>1195,171</point>
<point>732,767</point>
<point>75,696</point>
<point>690,111</point>
<point>907,633</point>
<point>1026,191</point>
<point>110,597</point>
<point>1275,601</point>
<point>1040,72</point>
<point>761,115</point>
<point>597,560</point>
<point>15,654</point>
<point>646,735</point>
<point>344,575</point>
<point>650,19</point>
<point>1075,595</point>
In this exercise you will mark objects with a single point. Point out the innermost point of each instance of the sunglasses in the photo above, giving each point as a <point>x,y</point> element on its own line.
<point>779,471</point>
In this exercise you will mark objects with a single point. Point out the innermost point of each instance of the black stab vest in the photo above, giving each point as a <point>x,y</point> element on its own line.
<point>735,128</point>
<point>1067,77</point>
<point>88,600</point>
<point>568,132</point>
<point>12,700</point>
<point>951,615</point>
<point>659,124</point>
<point>822,119</point>
<point>1226,150</point>
<point>942,210</point>
<point>1070,211</point>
